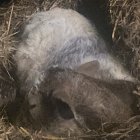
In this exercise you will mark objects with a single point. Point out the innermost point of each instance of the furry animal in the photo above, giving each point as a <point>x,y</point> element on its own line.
<point>66,39</point>
<point>88,100</point>
<point>63,38</point>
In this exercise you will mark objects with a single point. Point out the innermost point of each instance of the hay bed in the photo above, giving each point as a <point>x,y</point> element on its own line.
<point>125,18</point>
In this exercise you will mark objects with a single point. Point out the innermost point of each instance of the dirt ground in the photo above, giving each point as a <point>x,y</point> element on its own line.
<point>121,20</point>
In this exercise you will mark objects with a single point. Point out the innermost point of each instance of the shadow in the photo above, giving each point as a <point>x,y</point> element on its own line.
<point>97,11</point>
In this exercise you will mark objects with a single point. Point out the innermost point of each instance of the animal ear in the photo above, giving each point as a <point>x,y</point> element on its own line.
<point>89,68</point>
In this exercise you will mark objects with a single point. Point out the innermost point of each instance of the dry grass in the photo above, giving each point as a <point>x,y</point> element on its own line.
<point>125,16</point>
<point>125,131</point>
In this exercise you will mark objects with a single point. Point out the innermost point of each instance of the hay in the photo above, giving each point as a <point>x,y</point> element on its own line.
<point>125,17</point>
<point>128,130</point>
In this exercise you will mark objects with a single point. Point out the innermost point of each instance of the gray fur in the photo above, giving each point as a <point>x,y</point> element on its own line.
<point>62,38</point>
<point>92,101</point>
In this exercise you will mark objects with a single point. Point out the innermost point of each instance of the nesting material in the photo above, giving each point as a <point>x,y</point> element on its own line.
<point>125,17</point>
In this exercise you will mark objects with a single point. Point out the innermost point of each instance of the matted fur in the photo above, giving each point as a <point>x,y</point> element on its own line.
<point>62,38</point>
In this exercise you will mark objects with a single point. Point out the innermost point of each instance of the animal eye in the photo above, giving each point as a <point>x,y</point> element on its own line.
<point>32,106</point>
